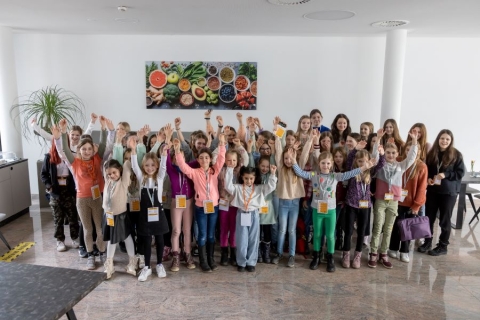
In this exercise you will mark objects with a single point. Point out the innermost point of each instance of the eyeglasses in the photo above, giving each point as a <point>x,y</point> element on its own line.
<point>264,149</point>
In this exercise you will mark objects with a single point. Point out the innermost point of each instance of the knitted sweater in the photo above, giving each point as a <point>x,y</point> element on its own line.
<point>115,192</point>
<point>389,178</point>
<point>358,190</point>
<point>416,186</point>
<point>324,185</point>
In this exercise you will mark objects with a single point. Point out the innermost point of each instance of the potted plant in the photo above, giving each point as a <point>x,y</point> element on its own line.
<point>48,106</point>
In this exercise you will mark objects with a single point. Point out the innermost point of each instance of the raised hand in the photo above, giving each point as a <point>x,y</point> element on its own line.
<point>164,149</point>
<point>257,123</point>
<point>221,139</point>
<point>249,145</point>
<point>369,164</point>
<point>208,113</point>
<point>176,146</point>
<point>168,130</point>
<point>226,130</point>
<point>296,145</point>
<point>316,136</point>
<point>391,140</point>
<point>220,121</point>
<point>380,133</point>
<point>110,125</point>
<point>93,117</point>
<point>273,169</point>
<point>132,144</point>
<point>239,117</point>
<point>63,125</point>
<point>260,141</point>
<point>414,136</point>
<point>147,129</point>
<point>55,131</point>
<point>381,151</point>
<point>361,145</point>
<point>236,142</point>
<point>177,122</point>
<point>102,122</point>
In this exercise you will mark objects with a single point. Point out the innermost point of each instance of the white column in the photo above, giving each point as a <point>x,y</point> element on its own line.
<point>393,75</point>
<point>10,131</point>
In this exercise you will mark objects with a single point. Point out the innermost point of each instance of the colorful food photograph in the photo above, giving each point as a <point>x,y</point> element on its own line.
<point>201,85</point>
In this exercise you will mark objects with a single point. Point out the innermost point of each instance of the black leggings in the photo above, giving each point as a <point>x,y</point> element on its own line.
<point>147,245</point>
<point>352,214</point>
<point>266,229</point>
<point>167,237</point>
<point>443,203</point>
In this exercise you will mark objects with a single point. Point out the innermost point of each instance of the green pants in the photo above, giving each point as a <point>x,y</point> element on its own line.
<point>384,214</point>
<point>322,221</point>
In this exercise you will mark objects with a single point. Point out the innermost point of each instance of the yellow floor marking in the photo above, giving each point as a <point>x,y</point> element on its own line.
<point>16,251</point>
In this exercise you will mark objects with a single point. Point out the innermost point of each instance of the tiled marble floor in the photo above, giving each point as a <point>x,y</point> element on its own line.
<point>446,287</point>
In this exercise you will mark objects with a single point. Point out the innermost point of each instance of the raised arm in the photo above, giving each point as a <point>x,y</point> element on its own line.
<point>44,134</point>
<point>241,127</point>
<point>305,151</point>
<point>178,122</point>
<point>163,164</point>
<point>272,182</point>
<point>185,168</point>
<point>308,175</point>
<point>135,161</point>
<point>127,172</point>
<point>278,153</point>
<point>221,154</point>
<point>412,154</point>
<point>66,152</point>
<point>229,181</point>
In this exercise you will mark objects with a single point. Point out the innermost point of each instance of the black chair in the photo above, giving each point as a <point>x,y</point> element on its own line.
<point>477,211</point>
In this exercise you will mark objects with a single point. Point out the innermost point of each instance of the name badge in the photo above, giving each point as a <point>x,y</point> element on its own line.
<point>322,207</point>
<point>223,205</point>
<point>134,204</point>
<point>110,221</point>
<point>404,195</point>
<point>388,196</point>
<point>280,131</point>
<point>181,201</point>
<point>62,182</point>
<point>437,182</point>
<point>152,214</point>
<point>264,209</point>
<point>363,204</point>
<point>208,206</point>
<point>246,219</point>
<point>95,192</point>
<point>164,197</point>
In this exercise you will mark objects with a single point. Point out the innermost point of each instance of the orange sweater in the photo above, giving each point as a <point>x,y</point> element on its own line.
<point>416,186</point>
<point>85,180</point>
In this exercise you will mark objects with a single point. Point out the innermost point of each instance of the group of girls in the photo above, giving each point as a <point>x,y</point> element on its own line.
<point>256,183</point>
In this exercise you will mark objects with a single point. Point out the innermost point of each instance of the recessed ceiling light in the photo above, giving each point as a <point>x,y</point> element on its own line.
<point>389,23</point>
<point>126,20</point>
<point>91,19</point>
<point>288,2</point>
<point>329,15</point>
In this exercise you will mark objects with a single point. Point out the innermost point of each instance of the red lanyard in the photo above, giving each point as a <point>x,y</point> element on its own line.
<point>246,203</point>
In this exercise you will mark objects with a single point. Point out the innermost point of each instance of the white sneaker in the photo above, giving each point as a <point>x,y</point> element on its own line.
<point>161,271</point>
<point>61,246</point>
<point>141,261</point>
<point>404,257</point>
<point>392,254</point>
<point>91,262</point>
<point>144,274</point>
<point>366,241</point>
<point>420,242</point>
<point>75,244</point>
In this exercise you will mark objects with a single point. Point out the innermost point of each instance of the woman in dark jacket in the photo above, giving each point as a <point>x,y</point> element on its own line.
<point>445,172</point>
<point>61,190</point>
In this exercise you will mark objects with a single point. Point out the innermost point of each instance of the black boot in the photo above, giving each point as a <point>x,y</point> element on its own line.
<point>260,252</point>
<point>233,256</point>
<point>266,257</point>
<point>210,258</point>
<point>224,257</point>
<point>202,252</point>
<point>307,248</point>
<point>330,263</point>
<point>315,260</point>
<point>439,250</point>
<point>427,245</point>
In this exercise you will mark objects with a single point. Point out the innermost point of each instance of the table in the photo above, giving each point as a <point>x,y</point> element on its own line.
<point>467,179</point>
<point>40,292</point>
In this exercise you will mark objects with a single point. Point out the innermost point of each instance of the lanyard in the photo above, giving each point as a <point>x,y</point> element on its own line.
<point>328,183</point>
<point>181,182</point>
<point>152,196</point>
<point>390,175</point>
<point>246,203</point>
<point>439,166</point>
<point>364,190</point>
<point>208,183</point>
<point>409,175</point>
<point>111,188</point>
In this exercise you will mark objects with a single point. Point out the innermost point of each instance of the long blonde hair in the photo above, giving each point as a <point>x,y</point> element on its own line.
<point>365,175</point>
<point>154,158</point>
<point>286,170</point>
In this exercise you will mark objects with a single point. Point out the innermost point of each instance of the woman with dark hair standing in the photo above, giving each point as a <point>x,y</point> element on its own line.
<point>445,172</point>
<point>340,130</point>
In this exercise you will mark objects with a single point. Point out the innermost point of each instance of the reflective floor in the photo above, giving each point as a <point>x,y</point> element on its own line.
<point>446,287</point>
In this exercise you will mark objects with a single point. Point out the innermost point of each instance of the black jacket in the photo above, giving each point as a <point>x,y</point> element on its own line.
<point>49,177</point>
<point>453,176</point>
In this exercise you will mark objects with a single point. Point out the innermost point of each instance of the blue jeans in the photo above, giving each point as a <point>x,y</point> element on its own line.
<point>206,225</point>
<point>288,212</point>
<point>275,202</point>
<point>247,239</point>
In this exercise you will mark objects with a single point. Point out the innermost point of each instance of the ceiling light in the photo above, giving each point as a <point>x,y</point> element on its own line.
<point>91,19</point>
<point>288,2</point>
<point>122,8</point>
<point>389,23</point>
<point>126,20</point>
<point>329,15</point>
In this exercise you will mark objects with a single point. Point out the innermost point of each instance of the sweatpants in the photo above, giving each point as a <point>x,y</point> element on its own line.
<point>384,214</point>
<point>327,221</point>
<point>64,208</point>
<point>247,239</point>
<point>89,209</point>
<point>443,203</point>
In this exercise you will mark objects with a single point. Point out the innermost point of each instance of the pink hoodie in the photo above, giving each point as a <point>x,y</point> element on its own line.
<point>199,177</point>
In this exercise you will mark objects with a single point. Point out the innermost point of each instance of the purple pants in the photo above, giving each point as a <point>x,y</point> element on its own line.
<point>227,227</point>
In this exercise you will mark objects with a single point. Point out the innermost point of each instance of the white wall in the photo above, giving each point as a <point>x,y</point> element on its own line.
<point>296,74</point>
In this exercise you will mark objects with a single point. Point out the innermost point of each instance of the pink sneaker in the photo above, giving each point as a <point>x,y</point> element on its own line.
<point>346,259</point>
<point>356,260</point>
